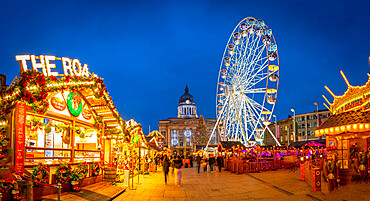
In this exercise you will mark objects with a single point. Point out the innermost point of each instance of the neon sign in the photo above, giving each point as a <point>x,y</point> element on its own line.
<point>71,67</point>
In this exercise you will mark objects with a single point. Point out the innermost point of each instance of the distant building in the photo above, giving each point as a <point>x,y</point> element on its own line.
<point>178,131</point>
<point>306,125</point>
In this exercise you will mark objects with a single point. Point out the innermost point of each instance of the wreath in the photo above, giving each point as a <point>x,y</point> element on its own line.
<point>74,103</point>
<point>83,169</point>
<point>63,172</point>
<point>40,174</point>
<point>95,169</point>
<point>6,185</point>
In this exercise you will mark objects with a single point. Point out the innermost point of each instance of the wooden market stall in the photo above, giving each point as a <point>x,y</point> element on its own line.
<point>347,131</point>
<point>54,122</point>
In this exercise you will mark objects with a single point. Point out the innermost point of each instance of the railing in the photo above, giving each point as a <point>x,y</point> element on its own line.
<point>59,185</point>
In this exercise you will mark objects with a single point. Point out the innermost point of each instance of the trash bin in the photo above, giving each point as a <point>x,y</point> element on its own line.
<point>126,178</point>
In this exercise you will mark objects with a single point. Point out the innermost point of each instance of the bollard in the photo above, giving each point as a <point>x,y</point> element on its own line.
<point>138,178</point>
<point>59,190</point>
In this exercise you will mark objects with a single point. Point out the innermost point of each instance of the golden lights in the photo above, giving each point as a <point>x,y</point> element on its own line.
<point>342,129</point>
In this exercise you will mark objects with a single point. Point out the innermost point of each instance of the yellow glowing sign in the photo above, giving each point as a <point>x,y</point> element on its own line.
<point>71,67</point>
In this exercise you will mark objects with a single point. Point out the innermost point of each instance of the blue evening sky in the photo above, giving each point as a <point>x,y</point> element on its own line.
<point>147,51</point>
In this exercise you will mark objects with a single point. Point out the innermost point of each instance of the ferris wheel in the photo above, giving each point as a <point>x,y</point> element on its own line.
<point>247,83</point>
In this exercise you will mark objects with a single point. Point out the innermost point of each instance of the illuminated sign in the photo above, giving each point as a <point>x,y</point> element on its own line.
<point>46,63</point>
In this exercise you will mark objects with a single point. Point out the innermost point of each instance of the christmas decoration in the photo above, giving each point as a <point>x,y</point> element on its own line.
<point>63,173</point>
<point>95,168</point>
<point>74,103</point>
<point>201,135</point>
<point>83,169</point>
<point>6,185</point>
<point>40,174</point>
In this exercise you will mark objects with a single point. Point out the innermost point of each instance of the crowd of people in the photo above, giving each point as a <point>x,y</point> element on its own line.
<point>173,164</point>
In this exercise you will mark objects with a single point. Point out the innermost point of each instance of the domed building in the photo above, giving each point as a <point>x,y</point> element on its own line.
<point>178,131</point>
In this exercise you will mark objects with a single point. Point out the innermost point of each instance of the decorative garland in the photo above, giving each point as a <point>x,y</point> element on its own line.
<point>6,185</point>
<point>3,141</point>
<point>83,169</point>
<point>40,174</point>
<point>63,173</point>
<point>95,168</point>
<point>98,122</point>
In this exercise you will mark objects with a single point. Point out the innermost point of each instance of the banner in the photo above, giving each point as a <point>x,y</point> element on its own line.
<point>20,123</point>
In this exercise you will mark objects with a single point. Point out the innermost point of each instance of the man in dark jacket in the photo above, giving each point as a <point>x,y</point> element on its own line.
<point>211,162</point>
<point>178,172</point>
<point>219,162</point>
<point>166,167</point>
<point>198,159</point>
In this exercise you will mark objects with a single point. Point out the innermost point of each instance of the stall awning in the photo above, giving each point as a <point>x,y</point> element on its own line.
<point>352,121</point>
<point>309,143</point>
<point>231,144</point>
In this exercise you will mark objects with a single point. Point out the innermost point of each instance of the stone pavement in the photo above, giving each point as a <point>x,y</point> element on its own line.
<point>272,185</point>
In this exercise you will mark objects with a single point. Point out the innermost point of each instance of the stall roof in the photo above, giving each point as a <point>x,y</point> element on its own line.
<point>343,119</point>
<point>318,142</point>
<point>231,144</point>
<point>198,147</point>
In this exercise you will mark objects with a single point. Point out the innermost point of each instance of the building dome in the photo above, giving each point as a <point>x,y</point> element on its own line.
<point>186,98</point>
<point>187,107</point>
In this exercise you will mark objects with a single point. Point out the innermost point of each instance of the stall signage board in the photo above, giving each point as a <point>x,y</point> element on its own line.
<point>20,137</point>
<point>48,65</point>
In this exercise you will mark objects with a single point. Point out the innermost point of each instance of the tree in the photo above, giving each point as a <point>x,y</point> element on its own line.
<point>201,135</point>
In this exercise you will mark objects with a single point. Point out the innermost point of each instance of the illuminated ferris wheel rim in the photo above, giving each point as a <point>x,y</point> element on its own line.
<point>249,68</point>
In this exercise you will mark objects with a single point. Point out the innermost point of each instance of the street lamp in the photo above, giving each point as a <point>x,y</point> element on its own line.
<point>317,113</point>
<point>276,129</point>
<point>293,123</point>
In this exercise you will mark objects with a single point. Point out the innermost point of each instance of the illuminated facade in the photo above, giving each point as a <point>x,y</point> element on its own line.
<point>178,131</point>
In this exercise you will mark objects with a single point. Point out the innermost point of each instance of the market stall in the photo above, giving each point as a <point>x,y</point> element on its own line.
<point>57,120</point>
<point>347,133</point>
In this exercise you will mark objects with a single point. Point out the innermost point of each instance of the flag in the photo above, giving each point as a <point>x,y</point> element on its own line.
<point>319,121</point>
<point>278,133</point>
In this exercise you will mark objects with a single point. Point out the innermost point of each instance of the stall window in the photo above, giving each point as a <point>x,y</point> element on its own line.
<point>86,143</point>
<point>46,139</point>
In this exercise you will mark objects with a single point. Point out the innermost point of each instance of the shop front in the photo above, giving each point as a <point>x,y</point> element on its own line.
<point>57,120</point>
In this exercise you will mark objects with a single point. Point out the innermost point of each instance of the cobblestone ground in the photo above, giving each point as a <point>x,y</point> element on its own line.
<point>273,185</point>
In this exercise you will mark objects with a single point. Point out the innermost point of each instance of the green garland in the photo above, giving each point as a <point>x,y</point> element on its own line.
<point>40,174</point>
<point>6,185</point>
<point>83,169</point>
<point>95,168</point>
<point>63,173</point>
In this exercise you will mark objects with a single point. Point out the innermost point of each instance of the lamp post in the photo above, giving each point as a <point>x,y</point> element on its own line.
<point>317,113</point>
<point>276,131</point>
<point>293,124</point>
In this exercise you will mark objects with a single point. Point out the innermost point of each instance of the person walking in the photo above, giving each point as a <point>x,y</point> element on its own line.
<point>166,168</point>
<point>178,172</point>
<point>204,163</point>
<point>219,162</point>
<point>198,162</point>
<point>211,162</point>
<point>191,157</point>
